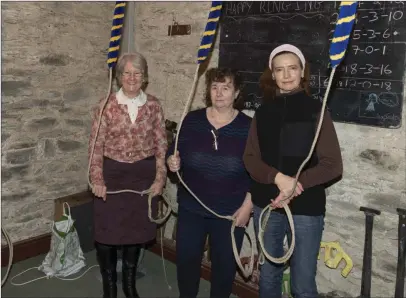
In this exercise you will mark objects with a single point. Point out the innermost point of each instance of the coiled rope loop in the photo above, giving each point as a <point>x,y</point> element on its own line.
<point>267,210</point>
<point>246,272</point>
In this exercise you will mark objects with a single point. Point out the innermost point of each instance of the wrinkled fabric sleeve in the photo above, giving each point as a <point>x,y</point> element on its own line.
<point>161,144</point>
<point>96,161</point>
<point>330,164</point>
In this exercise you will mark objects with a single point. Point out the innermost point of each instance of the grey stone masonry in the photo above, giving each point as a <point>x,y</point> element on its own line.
<point>374,158</point>
<point>54,70</point>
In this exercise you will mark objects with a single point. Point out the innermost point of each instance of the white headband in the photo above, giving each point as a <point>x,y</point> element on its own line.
<point>287,48</point>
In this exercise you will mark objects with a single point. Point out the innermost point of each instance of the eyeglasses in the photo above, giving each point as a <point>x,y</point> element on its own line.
<point>128,74</point>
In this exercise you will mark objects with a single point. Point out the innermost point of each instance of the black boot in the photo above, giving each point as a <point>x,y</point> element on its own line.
<point>131,254</point>
<point>107,258</point>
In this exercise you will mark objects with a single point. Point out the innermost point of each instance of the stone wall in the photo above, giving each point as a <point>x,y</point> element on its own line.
<point>374,158</point>
<point>53,71</point>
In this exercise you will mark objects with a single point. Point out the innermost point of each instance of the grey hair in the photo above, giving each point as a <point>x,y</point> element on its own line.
<point>137,60</point>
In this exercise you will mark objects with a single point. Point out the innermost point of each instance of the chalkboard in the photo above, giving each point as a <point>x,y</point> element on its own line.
<point>368,84</point>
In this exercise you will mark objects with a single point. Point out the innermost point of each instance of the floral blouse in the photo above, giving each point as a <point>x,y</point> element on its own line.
<point>123,140</point>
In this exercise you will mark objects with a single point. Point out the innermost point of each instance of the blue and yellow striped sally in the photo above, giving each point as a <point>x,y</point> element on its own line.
<point>116,30</point>
<point>342,32</point>
<point>209,31</point>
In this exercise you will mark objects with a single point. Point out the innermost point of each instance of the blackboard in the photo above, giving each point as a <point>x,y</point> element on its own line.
<point>368,84</point>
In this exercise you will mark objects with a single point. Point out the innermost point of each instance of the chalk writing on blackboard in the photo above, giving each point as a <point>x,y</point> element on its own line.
<point>372,100</point>
<point>389,99</point>
<point>368,85</point>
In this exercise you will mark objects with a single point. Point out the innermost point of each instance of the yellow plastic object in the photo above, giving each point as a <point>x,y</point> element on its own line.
<point>333,254</point>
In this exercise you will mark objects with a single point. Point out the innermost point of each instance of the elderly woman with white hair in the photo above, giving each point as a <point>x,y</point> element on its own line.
<point>129,153</point>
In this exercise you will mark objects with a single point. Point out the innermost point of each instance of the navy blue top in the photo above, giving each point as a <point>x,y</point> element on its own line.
<point>217,177</point>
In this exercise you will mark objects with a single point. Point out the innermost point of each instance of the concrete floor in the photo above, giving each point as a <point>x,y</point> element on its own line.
<point>150,283</point>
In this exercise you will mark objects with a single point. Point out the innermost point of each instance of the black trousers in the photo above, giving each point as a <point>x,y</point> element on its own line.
<point>191,234</point>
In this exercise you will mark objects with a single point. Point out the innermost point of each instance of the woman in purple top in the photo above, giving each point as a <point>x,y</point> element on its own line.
<point>211,147</point>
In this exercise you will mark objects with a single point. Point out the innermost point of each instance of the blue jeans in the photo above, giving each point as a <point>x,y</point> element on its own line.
<point>303,262</point>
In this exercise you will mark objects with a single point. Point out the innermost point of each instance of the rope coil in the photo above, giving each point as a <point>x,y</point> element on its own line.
<point>342,32</point>
<point>246,272</point>
<point>344,25</point>
<point>203,52</point>
<point>267,210</point>
<point>170,206</point>
<point>112,58</point>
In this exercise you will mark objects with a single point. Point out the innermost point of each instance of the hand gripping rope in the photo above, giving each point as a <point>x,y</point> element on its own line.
<point>112,57</point>
<point>338,48</point>
<point>113,52</point>
<point>203,52</point>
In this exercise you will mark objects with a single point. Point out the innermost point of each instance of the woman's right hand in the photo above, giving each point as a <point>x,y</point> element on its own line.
<point>99,191</point>
<point>285,184</point>
<point>173,162</point>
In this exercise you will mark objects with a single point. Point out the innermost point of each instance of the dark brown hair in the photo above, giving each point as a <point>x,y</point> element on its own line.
<point>269,87</point>
<point>220,75</point>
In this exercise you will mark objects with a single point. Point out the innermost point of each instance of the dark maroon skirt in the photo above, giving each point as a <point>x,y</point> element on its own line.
<point>123,218</point>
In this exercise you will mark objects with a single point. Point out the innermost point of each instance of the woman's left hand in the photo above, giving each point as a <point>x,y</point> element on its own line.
<point>277,202</point>
<point>283,197</point>
<point>156,189</point>
<point>242,215</point>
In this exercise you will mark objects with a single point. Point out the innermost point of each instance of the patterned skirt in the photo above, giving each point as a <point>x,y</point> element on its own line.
<point>123,218</point>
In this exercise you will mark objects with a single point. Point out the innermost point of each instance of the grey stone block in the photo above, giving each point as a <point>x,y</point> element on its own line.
<point>380,158</point>
<point>49,148</point>
<point>43,123</point>
<point>17,172</point>
<point>30,216</point>
<point>17,196</point>
<point>64,110</point>
<point>5,175</point>
<point>69,145</point>
<point>21,156</point>
<point>13,88</point>
<point>24,145</point>
<point>4,137</point>
<point>54,94</point>
<point>75,122</point>
<point>75,94</point>
<point>55,60</point>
